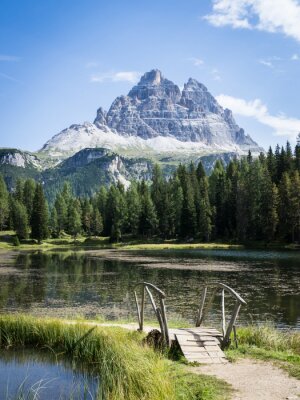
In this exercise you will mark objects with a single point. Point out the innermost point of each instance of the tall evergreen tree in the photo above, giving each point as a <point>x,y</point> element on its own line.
<point>133,205</point>
<point>4,204</point>
<point>20,219</point>
<point>28,195</point>
<point>148,217</point>
<point>39,218</point>
<point>97,222</point>
<point>74,218</point>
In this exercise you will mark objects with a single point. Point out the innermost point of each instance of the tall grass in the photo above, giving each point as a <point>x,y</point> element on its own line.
<point>127,369</point>
<point>267,343</point>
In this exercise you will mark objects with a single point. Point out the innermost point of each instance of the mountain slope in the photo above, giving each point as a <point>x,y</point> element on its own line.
<point>157,119</point>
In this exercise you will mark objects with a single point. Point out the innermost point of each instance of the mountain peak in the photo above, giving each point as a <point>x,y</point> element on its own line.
<point>153,77</point>
<point>193,84</point>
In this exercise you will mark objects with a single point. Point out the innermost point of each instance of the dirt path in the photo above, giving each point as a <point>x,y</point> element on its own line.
<point>254,380</point>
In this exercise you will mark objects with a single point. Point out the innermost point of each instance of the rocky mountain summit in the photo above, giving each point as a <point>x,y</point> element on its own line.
<point>155,122</point>
<point>156,117</point>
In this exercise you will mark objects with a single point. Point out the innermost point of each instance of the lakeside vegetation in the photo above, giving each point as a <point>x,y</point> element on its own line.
<point>128,369</point>
<point>269,344</point>
<point>248,200</point>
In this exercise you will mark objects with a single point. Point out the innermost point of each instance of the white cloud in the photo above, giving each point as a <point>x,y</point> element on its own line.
<point>295,57</point>
<point>266,63</point>
<point>122,76</point>
<point>266,15</point>
<point>196,61</point>
<point>215,74</point>
<point>281,124</point>
<point>4,57</point>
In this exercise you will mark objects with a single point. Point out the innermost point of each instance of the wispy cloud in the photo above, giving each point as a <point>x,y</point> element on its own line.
<point>122,76</point>
<point>92,64</point>
<point>281,124</point>
<point>215,74</point>
<point>295,57</point>
<point>266,63</point>
<point>196,61</point>
<point>9,78</point>
<point>266,15</point>
<point>5,57</point>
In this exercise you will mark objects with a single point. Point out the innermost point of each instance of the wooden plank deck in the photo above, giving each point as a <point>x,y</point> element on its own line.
<point>200,345</point>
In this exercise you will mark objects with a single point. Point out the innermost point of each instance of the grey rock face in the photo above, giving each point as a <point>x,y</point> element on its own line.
<point>157,107</point>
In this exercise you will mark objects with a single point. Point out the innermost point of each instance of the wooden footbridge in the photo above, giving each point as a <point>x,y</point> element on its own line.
<point>200,344</point>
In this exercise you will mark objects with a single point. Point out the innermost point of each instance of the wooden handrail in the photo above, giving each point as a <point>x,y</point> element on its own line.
<point>160,311</point>
<point>160,292</point>
<point>233,292</point>
<point>239,301</point>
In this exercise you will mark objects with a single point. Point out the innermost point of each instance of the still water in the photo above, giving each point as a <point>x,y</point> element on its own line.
<point>100,283</point>
<point>27,374</point>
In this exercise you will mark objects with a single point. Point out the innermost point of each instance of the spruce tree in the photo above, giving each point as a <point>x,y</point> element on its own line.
<point>268,208</point>
<point>39,218</point>
<point>74,218</point>
<point>28,195</point>
<point>133,205</point>
<point>53,223</point>
<point>295,206</point>
<point>20,219</point>
<point>285,210</point>
<point>204,212</point>
<point>4,204</point>
<point>148,217</point>
<point>97,222</point>
<point>62,213</point>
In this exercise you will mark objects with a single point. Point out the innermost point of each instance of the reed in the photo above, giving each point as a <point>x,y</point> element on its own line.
<point>127,369</point>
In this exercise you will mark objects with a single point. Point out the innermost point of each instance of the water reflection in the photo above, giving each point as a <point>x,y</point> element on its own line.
<point>96,283</point>
<point>26,374</point>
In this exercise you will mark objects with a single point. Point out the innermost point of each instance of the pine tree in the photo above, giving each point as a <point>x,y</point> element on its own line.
<point>295,206</point>
<point>133,205</point>
<point>148,217</point>
<point>87,215</point>
<point>53,223</point>
<point>39,218</point>
<point>28,195</point>
<point>204,212</point>
<point>268,209</point>
<point>4,204</point>
<point>20,219</point>
<point>62,213</point>
<point>271,164</point>
<point>188,223</point>
<point>176,205</point>
<point>115,213</point>
<point>285,211</point>
<point>74,218</point>
<point>297,154</point>
<point>97,222</point>
<point>18,194</point>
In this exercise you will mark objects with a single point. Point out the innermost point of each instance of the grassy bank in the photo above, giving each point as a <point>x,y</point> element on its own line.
<point>83,242</point>
<point>267,343</point>
<point>128,370</point>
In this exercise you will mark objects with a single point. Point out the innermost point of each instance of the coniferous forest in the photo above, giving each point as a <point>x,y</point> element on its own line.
<point>251,199</point>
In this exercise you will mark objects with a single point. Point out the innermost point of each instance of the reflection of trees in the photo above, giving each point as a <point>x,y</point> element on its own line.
<point>71,279</point>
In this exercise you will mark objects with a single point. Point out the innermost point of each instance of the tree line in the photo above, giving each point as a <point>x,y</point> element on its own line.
<point>247,200</point>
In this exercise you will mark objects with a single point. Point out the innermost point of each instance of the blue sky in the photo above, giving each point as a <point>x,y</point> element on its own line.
<point>62,59</point>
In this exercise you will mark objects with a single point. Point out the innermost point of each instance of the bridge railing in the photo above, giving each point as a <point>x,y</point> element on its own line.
<point>160,310</point>
<point>202,312</point>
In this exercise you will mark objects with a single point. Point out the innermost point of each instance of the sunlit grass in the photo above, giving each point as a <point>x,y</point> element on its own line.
<point>127,368</point>
<point>267,343</point>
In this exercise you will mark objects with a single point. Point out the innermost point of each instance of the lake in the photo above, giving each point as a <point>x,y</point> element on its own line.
<point>97,283</point>
<point>28,374</point>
